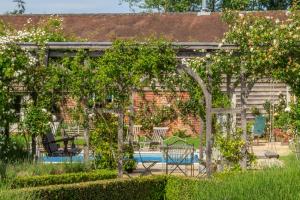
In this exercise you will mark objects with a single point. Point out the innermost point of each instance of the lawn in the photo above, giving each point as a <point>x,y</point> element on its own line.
<point>190,140</point>
<point>273,183</point>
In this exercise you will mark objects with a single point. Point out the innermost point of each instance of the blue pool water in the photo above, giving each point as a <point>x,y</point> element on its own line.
<point>155,157</point>
<point>79,158</point>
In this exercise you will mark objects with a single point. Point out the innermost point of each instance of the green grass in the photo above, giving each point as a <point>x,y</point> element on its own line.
<point>273,184</point>
<point>27,169</point>
<point>31,169</point>
<point>268,184</point>
<point>191,140</point>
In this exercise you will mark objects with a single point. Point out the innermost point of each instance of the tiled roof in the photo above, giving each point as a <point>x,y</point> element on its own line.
<point>178,27</point>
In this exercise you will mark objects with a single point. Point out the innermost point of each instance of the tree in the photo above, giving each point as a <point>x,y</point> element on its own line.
<point>212,5</point>
<point>129,66</point>
<point>80,83</point>
<point>276,4</point>
<point>260,50</point>
<point>166,5</point>
<point>289,64</point>
<point>20,67</point>
<point>20,7</point>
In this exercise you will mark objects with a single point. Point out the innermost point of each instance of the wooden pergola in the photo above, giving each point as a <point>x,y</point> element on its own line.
<point>96,49</point>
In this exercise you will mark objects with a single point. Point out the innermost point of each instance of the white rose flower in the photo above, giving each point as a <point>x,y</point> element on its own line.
<point>287,109</point>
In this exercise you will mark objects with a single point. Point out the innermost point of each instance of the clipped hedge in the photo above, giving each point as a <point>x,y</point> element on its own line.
<point>34,181</point>
<point>146,188</point>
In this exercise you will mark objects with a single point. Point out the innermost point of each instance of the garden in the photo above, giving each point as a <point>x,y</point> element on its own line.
<point>68,122</point>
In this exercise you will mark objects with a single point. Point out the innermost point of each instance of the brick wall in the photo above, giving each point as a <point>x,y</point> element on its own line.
<point>191,126</point>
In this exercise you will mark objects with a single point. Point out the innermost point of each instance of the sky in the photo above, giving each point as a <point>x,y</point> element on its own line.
<point>67,6</point>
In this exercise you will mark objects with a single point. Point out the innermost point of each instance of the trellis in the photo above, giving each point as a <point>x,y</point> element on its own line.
<point>97,49</point>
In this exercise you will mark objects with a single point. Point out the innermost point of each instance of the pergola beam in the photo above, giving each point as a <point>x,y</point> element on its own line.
<point>95,49</point>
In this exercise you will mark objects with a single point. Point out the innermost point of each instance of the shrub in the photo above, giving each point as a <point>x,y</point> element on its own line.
<point>34,181</point>
<point>27,168</point>
<point>103,142</point>
<point>12,150</point>
<point>129,163</point>
<point>146,188</point>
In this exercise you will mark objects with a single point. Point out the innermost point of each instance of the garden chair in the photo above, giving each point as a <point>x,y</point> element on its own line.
<point>259,127</point>
<point>179,154</point>
<point>53,150</point>
<point>158,135</point>
<point>135,135</point>
<point>147,163</point>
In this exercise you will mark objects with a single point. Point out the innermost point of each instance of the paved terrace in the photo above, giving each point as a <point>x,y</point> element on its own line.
<point>258,150</point>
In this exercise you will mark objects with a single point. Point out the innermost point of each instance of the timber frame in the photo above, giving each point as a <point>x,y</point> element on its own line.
<point>96,49</point>
<point>184,50</point>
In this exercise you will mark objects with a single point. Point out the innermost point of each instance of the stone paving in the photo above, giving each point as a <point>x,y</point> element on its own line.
<point>258,149</point>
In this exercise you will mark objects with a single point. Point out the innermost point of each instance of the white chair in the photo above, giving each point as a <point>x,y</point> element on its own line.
<point>136,132</point>
<point>135,135</point>
<point>158,135</point>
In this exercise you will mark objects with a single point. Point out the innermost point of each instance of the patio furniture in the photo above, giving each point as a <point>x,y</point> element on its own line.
<point>201,169</point>
<point>135,135</point>
<point>73,130</point>
<point>156,140</point>
<point>147,163</point>
<point>259,127</point>
<point>53,150</point>
<point>179,154</point>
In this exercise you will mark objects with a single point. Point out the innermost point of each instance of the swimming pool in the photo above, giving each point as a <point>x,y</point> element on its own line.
<point>146,156</point>
<point>157,156</point>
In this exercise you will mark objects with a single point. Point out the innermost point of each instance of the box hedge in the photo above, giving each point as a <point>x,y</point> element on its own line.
<point>34,181</point>
<point>147,188</point>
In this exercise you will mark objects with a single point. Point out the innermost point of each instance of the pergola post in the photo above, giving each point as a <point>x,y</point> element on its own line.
<point>120,143</point>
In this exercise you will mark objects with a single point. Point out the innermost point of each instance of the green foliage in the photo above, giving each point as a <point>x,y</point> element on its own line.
<point>271,183</point>
<point>103,141</point>
<point>258,49</point>
<point>12,150</point>
<point>181,134</point>
<point>10,75</point>
<point>166,6</point>
<point>255,111</point>
<point>263,184</point>
<point>151,115</point>
<point>295,115</point>
<point>212,5</point>
<point>30,169</point>
<point>129,163</point>
<point>19,67</point>
<point>286,117</point>
<point>230,148</point>
<point>34,181</point>
<point>281,113</point>
<point>130,65</point>
<point>20,7</point>
<point>148,188</point>
<point>36,120</point>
